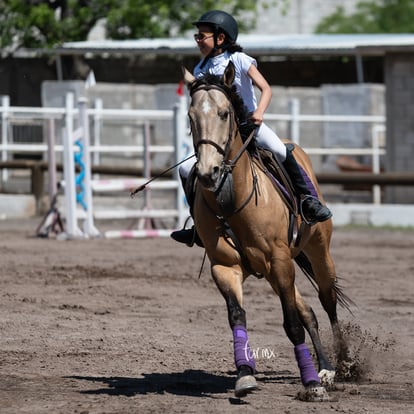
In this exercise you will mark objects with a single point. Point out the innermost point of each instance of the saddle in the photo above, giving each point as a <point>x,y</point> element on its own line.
<point>282,183</point>
<point>277,174</point>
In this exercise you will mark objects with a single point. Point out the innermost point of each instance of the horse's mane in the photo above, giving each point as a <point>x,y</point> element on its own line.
<point>242,113</point>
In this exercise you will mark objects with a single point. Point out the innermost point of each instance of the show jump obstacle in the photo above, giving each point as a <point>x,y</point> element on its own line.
<point>79,186</point>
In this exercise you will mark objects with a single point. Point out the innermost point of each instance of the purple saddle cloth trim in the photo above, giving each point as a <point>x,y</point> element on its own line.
<point>308,182</point>
<point>305,176</point>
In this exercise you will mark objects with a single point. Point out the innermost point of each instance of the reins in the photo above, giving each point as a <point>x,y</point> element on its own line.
<point>232,163</point>
<point>228,164</point>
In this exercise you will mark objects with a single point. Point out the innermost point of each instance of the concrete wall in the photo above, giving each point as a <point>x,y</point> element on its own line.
<point>366,99</point>
<point>400,121</point>
<point>350,100</point>
<point>310,103</point>
<point>137,97</point>
<point>330,99</point>
<point>120,96</point>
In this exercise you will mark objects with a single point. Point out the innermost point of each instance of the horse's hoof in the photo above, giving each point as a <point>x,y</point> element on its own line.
<point>327,377</point>
<point>314,394</point>
<point>244,385</point>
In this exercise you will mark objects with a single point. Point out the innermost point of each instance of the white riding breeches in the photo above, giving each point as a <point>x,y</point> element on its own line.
<point>265,137</point>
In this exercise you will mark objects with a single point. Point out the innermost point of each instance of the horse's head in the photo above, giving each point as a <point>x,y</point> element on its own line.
<point>213,123</point>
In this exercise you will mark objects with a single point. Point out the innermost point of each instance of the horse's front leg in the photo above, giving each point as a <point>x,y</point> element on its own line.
<point>229,280</point>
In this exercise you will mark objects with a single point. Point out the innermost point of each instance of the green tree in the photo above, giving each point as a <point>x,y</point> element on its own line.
<point>47,23</point>
<point>163,18</point>
<point>374,16</point>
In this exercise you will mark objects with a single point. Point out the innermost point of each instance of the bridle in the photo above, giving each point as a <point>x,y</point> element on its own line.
<point>228,164</point>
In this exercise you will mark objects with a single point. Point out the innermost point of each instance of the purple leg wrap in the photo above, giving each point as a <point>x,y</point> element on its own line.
<point>242,352</point>
<point>307,369</point>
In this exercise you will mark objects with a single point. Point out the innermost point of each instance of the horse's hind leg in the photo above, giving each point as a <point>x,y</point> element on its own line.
<point>282,281</point>
<point>310,322</point>
<point>325,275</point>
<point>229,281</point>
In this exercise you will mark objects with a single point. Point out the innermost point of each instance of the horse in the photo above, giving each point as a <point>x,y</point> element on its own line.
<point>258,221</point>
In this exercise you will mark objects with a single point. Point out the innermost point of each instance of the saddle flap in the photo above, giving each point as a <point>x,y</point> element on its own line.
<point>279,178</point>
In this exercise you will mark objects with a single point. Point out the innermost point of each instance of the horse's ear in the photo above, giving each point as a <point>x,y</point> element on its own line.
<point>229,74</point>
<point>188,77</point>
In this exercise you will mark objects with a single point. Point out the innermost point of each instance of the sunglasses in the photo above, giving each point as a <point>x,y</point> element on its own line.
<point>198,37</point>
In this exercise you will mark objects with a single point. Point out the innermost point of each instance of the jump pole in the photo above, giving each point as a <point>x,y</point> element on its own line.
<point>5,103</point>
<point>72,229</point>
<point>89,227</point>
<point>79,137</point>
<point>146,223</point>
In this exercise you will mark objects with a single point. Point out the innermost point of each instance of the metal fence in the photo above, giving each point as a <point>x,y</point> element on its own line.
<point>32,133</point>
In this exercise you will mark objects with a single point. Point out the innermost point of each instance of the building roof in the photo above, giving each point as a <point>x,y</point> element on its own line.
<point>258,45</point>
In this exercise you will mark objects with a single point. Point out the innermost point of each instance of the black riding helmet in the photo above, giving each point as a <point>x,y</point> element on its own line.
<point>220,21</point>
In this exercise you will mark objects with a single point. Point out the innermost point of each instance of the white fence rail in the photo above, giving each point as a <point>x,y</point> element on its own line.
<point>70,116</point>
<point>50,117</point>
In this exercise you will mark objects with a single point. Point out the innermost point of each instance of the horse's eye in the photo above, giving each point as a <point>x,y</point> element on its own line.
<point>223,115</point>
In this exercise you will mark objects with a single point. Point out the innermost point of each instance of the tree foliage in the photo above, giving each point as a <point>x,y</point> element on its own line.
<point>374,16</point>
<point>47,23</point>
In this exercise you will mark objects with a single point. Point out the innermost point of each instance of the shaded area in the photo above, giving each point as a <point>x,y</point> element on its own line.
<point>194,383</point>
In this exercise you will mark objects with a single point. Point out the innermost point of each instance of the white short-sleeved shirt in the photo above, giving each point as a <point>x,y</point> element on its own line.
<point>217,64</point>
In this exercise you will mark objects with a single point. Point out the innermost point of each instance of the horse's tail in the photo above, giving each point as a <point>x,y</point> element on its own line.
<point>305,265</point>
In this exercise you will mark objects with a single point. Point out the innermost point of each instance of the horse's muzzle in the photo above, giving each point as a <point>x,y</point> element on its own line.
<point>209,178</point>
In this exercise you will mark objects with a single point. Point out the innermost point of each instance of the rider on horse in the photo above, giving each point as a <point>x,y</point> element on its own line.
<point>216,39</point>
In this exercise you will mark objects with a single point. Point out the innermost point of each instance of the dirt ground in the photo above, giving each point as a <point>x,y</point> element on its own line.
<point>127,326</point>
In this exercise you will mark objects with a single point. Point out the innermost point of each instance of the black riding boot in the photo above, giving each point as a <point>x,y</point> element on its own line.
<point>187,236</point>
<point>311,208</point>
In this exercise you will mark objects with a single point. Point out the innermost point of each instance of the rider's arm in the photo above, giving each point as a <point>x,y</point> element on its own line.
<point>266,93</point>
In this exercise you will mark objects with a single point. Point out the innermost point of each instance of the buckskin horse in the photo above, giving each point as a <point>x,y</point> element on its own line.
<point>248,233</point>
